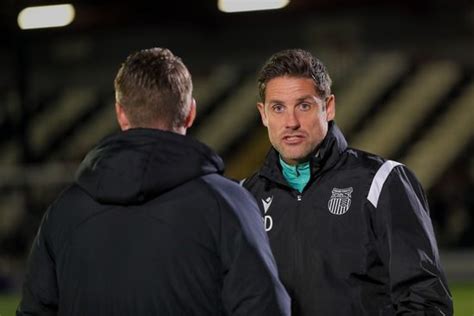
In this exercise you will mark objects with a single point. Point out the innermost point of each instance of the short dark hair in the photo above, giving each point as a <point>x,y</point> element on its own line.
<point>295,63</point>
<point>153,85</point>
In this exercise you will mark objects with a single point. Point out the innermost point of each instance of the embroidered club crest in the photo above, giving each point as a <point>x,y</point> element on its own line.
<point>340,201</point>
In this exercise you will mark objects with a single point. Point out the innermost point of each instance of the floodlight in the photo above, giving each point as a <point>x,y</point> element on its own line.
<point>46,16</point>
<point>250,5</point>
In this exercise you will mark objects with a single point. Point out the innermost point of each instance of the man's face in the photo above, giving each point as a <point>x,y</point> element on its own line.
<point>295,116</point>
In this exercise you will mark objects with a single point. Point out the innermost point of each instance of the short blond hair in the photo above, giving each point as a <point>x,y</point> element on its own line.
<point>154,86</point>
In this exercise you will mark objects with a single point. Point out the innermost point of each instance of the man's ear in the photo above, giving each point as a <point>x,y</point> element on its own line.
<point>191,115</point>
<point>331,108</point>
<point>122,118</point>
<point>263,116</point>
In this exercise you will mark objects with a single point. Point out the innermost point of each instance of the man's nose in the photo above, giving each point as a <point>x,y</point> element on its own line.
<point>292,120</point>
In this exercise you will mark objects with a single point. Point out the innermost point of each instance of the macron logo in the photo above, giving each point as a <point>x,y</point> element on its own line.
<point>267,219</point>
<point>266,203</point>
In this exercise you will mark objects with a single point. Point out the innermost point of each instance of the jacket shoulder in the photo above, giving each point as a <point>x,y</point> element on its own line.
<point>63,215</point>
<point>227,189</point>
<point>364,159</point>
<point>251,181</point>
<point>384,173</point>
<point>60,209</point>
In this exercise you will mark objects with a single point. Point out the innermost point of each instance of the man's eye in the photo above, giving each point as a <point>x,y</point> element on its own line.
<point>305,106</point>
<point>278,108</point>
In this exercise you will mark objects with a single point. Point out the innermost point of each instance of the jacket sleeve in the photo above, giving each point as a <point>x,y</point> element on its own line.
<point>251,285</point>
<point>407,246</point>
<point>40,289</point>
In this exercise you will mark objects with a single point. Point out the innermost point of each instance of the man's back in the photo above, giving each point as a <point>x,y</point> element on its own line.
<point>139,234</point>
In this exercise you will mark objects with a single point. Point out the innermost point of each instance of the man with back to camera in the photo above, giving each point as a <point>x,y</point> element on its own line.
<point>350,231</point>
<point>150,227</point>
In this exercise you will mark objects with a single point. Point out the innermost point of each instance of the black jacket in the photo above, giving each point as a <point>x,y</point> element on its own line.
<point>357,241</point>
<point>151,228</point>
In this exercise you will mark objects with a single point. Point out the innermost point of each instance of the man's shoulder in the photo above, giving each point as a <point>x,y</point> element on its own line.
<point>68,199</point>
<point>63,214</point>
<point>365,160</point>
<point>251,181</point>
<point>226,187</point>
<point>374,163</point>
<point>232,196</point>
<point>384,173</point>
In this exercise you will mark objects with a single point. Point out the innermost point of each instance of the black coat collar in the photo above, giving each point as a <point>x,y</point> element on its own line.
<point>324,157</point>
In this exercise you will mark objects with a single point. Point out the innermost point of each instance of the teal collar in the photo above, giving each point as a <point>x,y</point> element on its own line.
<point>297,176</point>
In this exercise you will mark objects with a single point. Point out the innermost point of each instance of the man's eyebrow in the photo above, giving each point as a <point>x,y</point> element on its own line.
<point>273,101</point>
<point>308,97</point>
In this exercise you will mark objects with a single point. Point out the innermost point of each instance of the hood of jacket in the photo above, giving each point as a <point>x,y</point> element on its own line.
<point>137,165</point>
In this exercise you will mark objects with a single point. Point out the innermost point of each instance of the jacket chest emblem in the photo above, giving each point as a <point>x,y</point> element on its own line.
<point>266,203</point>
<point>340,201</point>
<point>267,219</point>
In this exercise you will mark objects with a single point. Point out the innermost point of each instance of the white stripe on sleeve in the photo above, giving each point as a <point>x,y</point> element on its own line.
<point>379,180</point>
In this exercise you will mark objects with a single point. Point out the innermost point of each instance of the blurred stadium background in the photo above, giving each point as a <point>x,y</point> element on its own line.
<point>403,75</point>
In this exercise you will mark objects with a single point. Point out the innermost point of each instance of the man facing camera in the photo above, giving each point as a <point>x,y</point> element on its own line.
<point>350,231</point>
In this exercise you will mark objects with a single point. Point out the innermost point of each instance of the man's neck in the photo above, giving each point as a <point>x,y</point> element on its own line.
<point>296,175</point>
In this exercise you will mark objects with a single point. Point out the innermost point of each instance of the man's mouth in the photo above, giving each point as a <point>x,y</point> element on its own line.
<point>293,139</point>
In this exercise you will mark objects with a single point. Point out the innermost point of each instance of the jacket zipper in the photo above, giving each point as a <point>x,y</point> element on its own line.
<point>296,239</point>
